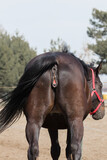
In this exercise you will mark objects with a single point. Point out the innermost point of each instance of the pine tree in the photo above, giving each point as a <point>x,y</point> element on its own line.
<point>98,32</point>
<point>15,53</point>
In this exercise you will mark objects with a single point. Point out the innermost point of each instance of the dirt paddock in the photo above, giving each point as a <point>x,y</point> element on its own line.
<point>13,144</point>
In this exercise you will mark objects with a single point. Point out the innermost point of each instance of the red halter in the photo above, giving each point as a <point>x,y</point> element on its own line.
<point>94,91</point>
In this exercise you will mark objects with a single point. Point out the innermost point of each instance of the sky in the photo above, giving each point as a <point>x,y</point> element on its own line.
<point>42,20</point>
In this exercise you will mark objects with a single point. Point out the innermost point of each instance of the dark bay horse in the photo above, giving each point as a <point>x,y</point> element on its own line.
<point>56,91</point>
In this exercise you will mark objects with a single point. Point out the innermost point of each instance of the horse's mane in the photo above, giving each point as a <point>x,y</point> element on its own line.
<point>85,66</point>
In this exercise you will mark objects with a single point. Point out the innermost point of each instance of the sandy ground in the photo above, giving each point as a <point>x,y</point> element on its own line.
<point>13,144</point>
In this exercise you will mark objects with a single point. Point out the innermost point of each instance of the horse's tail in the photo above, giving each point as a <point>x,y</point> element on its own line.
<point>15,101</point>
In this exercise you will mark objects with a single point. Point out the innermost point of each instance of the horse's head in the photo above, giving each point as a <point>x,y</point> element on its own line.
<point>95,85</point>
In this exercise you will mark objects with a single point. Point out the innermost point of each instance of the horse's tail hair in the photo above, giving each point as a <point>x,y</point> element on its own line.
<point>14,103</point>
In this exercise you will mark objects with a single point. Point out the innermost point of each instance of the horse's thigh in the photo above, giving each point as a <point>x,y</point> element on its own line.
<point>40,100</point>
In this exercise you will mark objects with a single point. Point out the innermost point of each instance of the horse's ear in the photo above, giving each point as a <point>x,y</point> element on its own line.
<point>99,67</point>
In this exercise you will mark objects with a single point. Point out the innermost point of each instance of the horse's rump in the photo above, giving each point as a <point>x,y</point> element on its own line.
<point>69,94</point>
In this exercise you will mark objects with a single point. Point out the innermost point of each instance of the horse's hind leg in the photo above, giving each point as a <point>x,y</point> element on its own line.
<point>38,105</point>
<point>76,135</point>
<point>68,148</point>
<point>32,134</point>
<point>55,148</point>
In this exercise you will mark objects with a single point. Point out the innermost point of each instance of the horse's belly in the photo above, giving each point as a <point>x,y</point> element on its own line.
<point>55,121</point>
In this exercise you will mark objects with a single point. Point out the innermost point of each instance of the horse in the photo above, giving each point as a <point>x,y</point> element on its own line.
<point>56,91</point>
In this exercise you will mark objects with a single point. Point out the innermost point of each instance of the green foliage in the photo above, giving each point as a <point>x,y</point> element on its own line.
<point>58,46</point>
<point>99,23</point>
<point>15,53</point>
<point>98,32</point>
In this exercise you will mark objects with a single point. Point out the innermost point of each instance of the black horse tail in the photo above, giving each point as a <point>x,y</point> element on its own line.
<point>15,101</point>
